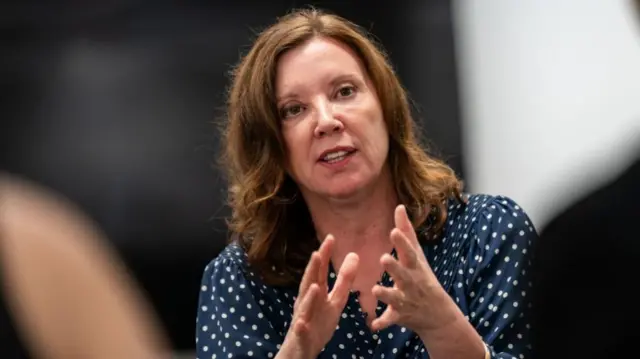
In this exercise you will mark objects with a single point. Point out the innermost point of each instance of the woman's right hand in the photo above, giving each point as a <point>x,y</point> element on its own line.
<point>316,311</point>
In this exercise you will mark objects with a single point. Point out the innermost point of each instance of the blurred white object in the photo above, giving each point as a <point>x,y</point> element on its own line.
<point>551,96</point>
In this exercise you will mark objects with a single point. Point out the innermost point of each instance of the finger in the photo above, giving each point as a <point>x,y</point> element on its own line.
<point>406,251</point>
<point>396,270</point>
<point>389,317</point>
<point>346,275</point>
<point>325,251</point>
<point>403,223</point>
<point>310,274</point>
<point>390,296</point>
<point>305,310</point>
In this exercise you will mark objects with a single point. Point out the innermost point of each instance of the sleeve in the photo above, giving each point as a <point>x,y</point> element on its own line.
<point>498,289</point>
<point>230,322</point>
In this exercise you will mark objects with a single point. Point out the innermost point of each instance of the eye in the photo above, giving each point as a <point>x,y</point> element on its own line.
<point>346,91</point>
<point>291,111</point>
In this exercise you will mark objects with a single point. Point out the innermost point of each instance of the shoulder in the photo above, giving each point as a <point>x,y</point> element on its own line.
<point>230,271</point>
<point>489,226</point>
<point>482,212</point>
<point>232,254</point>
<point>238,315</point>
<point>230,265</point>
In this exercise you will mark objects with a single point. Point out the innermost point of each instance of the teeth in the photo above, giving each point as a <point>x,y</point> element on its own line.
<point>335,156</point>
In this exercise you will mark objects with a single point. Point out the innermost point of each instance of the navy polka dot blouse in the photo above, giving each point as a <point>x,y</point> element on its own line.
<point>482,261</point>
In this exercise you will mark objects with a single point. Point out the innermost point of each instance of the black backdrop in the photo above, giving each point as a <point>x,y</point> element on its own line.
<point>112,103</point>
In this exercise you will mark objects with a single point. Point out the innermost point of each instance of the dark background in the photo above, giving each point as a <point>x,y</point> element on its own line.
<point>113,104</point>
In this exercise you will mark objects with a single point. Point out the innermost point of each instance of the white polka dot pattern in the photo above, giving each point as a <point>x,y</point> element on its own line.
<point>482,260</point>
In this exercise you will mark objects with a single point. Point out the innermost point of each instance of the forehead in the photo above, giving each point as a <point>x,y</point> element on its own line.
<point>317,61</point>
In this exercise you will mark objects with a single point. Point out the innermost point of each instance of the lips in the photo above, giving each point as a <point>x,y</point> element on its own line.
<point>336,154</point>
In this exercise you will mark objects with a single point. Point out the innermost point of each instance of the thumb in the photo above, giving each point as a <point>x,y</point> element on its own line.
<point>390,316</point>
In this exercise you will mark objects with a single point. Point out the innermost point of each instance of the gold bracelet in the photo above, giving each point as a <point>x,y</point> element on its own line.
<point>487,352</point>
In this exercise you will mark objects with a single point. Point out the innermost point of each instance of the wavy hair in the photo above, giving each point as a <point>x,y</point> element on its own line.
<point>269,218</point>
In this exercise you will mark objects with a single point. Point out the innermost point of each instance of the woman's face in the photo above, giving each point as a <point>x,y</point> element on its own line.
<point>332,122</point>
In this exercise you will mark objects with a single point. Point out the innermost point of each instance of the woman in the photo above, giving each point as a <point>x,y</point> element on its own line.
<point>349,240</point>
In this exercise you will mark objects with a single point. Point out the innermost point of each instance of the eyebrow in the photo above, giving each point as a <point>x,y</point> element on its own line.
<point>333,82</point>
<point>344,77</point>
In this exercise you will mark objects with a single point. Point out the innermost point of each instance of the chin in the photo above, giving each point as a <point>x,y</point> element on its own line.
<point>343,190</point>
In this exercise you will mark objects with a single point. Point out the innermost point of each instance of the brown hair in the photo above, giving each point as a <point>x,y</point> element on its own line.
<point>273,224</point>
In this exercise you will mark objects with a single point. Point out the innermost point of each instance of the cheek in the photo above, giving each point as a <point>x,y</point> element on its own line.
<point>378,128</point>
<point>377,125</point>
<point>380,134</point>
<point>295,149</point>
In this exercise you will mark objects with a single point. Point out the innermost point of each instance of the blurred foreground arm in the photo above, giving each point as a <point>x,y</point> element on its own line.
<point>68,293</point>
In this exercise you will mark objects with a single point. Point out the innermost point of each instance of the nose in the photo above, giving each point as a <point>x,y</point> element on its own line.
<point>327,123</point>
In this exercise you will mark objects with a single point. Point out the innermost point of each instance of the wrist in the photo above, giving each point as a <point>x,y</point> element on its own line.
<point>447,314</point>
<point>456,338</point>
<point>292,350</point>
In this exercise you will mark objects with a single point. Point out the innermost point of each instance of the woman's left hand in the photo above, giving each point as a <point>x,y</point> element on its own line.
<point>417,300</point>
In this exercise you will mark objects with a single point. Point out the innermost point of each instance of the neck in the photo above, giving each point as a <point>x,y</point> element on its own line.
<point>361,225</point>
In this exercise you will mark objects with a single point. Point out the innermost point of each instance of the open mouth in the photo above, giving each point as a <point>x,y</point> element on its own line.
<point>337,156</point>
